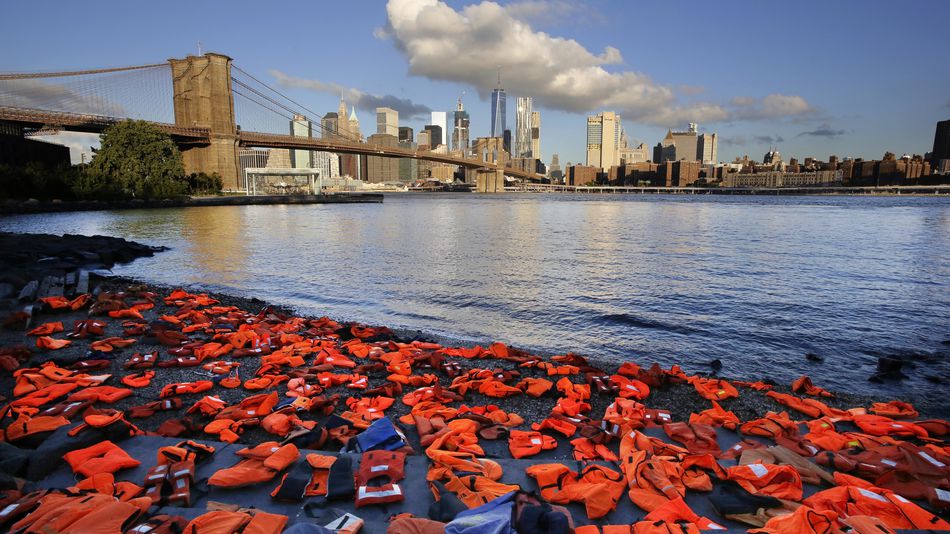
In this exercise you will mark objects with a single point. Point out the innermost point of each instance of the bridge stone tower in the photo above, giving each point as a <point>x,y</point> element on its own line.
<point>203,99</point>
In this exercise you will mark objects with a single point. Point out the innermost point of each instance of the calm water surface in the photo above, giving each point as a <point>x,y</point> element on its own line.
<point>754,281</point>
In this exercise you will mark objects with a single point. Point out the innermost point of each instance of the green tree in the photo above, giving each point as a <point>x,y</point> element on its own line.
<point>135,159</point>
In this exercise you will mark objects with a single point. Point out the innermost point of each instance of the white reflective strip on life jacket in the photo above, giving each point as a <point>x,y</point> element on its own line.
<point>931,459</point>
<point>890,463</point>
<point>758,470</point>
<point>873,495</point>
<point>535,441</point>
<point>378,468</point>
<point>364,492</point>
<point>943,495</point>
<point>143,528</point>
<point>8,510</point>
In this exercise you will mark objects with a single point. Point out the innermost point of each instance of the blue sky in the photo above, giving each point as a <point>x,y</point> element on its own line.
<point>814,78</point>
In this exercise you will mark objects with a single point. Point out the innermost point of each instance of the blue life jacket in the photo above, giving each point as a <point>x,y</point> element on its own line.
<point>381,435</point>
<point>493,517</point>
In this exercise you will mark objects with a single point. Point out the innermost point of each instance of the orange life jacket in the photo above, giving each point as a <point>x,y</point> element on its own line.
<point>103,457</point>
<point>780,481</point>
<point>523,444</point>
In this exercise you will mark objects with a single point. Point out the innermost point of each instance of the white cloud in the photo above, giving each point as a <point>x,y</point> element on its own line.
<point>469,45</point>
<point>772,106</point>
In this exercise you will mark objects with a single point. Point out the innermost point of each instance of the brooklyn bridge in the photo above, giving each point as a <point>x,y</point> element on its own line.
<point>210,107</point>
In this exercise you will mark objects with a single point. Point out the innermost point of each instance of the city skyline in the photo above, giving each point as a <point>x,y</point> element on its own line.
<point>751,97</point>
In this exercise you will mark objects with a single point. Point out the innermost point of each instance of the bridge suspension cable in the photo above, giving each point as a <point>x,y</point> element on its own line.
<point>284,102</point>
<point>141,92</point>
<point>34,75</point>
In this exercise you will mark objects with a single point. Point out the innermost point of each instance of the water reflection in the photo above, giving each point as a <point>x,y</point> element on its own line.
<point>217,243</point>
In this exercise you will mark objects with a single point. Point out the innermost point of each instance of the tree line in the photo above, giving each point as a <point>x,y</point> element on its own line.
<point>135,160</point>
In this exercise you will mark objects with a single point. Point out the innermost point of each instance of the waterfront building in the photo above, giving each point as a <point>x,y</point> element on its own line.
<point>439,119</point>
<point>689,145</point>
<point>782,179</point>
<point>680,173</point>
<point>405,134</point>
<point>436,135</point>
<point>522,128</point>
<point>460,130</point>
<point>536,135</point>
<point>387,121</point>
<point>378,168</point>
<point>499,109</point>
<point>637,154</point>
<point>581,175</point>
<point>603,140</point>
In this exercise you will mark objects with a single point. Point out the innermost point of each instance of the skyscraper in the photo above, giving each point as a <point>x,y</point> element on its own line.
<point>343,125</point>
<point>603,140</point>
<point>329,125</point>
<point>354,125</point>
<point>689,146</point>
<point>522,127</point>
<point>440,118</point>
<point>387,121</point>
<point>536,134</point>
<point>941,142</point>
<point>435,135</point>
<point>405,134</point>
<point>499,109</point>
<point>460,131</point>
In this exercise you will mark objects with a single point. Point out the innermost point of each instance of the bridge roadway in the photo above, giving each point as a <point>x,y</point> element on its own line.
<point>75,122</point>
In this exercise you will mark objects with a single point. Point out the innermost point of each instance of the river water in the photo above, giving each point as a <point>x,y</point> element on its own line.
<point>757,282</point>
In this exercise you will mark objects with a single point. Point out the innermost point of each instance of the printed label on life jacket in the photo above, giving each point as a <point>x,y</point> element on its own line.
<point>758,469</point>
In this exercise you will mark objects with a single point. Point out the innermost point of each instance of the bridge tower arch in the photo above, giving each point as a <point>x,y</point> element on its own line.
<point>203,98</point>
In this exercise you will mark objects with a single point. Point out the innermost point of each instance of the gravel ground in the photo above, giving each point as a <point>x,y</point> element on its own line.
<point>680,399</point>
